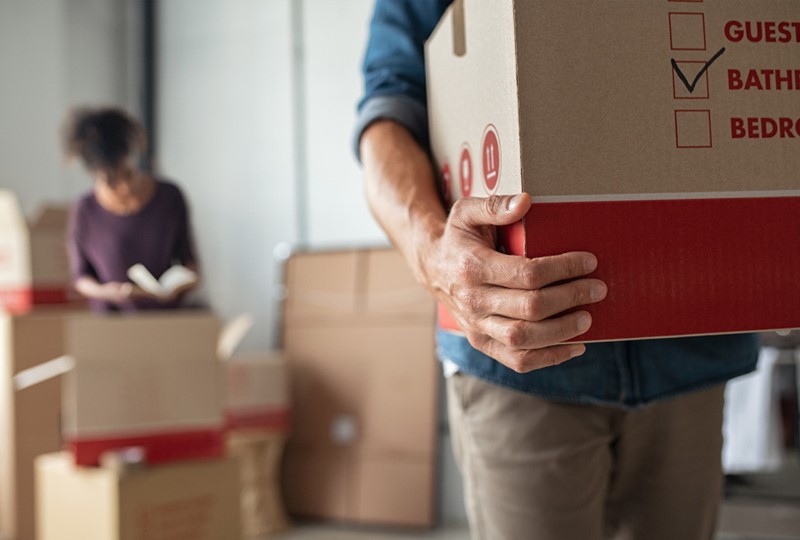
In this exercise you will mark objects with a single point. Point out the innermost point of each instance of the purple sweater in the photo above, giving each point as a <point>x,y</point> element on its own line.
<point>103,245</point>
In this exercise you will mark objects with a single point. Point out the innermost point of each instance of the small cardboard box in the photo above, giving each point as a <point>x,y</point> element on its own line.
<point>149,381</point>
<point>195,500</point>
<point>661,136</point>
<point>359,338</point>
<point>30,422</point>
<point>257,391</point>
<point>33,257</point>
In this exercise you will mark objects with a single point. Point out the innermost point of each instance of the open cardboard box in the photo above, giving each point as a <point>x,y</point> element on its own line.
<point>33,256</point>
<point>149,381</point>
<point>646,133</point>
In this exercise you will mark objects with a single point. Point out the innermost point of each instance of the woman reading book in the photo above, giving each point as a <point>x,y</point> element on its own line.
<point>129,219</point>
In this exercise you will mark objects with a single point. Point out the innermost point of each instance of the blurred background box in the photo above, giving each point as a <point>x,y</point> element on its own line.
<point>149,381</point>
<point>197,500</point>
<point>146,380</point>
<point>30,422</point>
<point>33,256</point>
<point>359,338</point>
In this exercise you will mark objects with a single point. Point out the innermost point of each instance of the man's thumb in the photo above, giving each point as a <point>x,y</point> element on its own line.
<point>494,210</point>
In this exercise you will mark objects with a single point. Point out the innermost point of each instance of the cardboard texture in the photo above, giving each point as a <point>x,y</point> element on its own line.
<point>33,257</point>
<point>186,501</point>
<point>149,381</point>
<point>259,454</point>
<point>661,136</point>
<point>359,340</point>
<point>30,423</point>
<point>257,391</point>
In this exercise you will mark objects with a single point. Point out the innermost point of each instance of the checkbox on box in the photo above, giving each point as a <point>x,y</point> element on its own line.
<point>690,70</point>
<point>693,129</point>
<point>687,31</point>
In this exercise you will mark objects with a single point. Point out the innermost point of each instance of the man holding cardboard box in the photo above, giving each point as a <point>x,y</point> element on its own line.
<point>555,439</point>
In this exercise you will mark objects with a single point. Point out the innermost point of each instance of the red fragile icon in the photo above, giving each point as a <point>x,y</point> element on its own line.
<point>447,185</point>
<point>491,158</point>
<point>465,172</point>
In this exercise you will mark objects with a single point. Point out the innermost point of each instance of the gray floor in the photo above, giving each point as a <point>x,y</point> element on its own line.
<point>326,532</point>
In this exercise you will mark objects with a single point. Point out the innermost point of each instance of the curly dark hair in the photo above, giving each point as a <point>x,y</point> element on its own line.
<point>103,138</point>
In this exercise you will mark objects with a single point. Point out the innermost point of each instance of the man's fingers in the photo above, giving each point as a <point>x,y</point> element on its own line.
<point>535,335</point>
<point>486,266</point>
<point>473,212</point>
<point>535,305</point>
<point>524,361</point>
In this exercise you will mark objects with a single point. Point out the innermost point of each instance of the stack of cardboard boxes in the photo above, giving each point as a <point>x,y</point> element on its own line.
<point>359,338</point>
<point>33,258</point>
<point>149,384</point>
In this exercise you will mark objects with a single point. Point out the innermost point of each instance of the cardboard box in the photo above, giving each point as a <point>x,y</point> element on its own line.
<point>257,391</point>
<point>186,501</point>
<point>33,257</point>
<point>30,422</point>
<point>149,381</point>
<point>646,133</point>
<point>359,338</point>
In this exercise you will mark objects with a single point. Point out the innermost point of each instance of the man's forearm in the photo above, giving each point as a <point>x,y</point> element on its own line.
<point>401,191</point>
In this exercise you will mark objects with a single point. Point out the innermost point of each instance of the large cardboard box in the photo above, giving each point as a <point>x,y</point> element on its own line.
<point>30,422</point>
<point>33,256</point>
<point>185,501</point>
<point>359,338</point>
<point>149,381</point>
<point>663,136</point>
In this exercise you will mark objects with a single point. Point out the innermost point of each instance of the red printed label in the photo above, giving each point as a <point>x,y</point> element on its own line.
<point>465,171</point>
<point>491,158</point>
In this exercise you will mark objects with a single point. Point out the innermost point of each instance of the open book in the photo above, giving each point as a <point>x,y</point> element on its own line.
<point>170,281</point>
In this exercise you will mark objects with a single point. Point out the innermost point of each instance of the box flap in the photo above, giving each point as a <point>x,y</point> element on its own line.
<point>321,283</point>
<point>391,287</point>
<point>166,337</point>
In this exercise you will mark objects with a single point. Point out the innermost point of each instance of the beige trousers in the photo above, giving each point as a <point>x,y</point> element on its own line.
<point>542,470</point>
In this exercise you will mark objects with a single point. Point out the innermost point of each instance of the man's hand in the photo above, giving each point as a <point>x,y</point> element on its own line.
<point>509,307</point>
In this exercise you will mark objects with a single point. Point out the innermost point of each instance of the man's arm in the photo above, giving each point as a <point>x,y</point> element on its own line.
<point>509,307</point>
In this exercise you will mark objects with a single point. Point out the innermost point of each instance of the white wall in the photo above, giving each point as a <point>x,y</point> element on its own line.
<point>225,132</point>
<point>335,34</point>
<point>55,54</point>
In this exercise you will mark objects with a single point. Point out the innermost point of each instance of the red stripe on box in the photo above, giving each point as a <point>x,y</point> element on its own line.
<point>50,295</point>
<point>269,419</point>
<point>21,299</point>
<point>16,300</point>
<point>159,447</point>
<point>676,267</point>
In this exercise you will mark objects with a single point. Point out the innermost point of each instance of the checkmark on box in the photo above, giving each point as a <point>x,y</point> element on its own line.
<point>687,31</point>
<point>685,72</point>
<point>693,129</point>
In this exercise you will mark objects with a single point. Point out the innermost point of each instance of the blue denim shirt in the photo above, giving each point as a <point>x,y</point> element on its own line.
<point>626,374</point>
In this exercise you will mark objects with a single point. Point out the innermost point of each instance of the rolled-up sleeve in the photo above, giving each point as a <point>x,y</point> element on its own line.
<point>394,66</point>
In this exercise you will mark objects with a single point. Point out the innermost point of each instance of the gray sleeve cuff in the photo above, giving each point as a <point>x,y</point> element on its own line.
<point>406,111</point>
